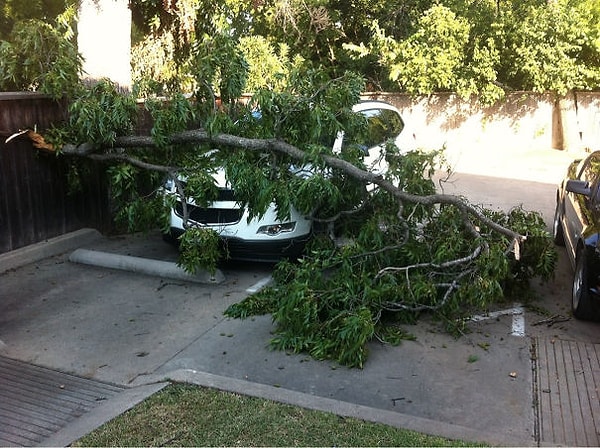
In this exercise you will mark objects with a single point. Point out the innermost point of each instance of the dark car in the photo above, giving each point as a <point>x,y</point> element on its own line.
<point>577,227</point>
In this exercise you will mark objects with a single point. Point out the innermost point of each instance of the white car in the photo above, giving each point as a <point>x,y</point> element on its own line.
<point>267,238</point>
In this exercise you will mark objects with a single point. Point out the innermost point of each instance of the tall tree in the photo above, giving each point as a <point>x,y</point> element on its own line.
<point>474,48</point>
<point>12,11</point>
<point>42,56</point>
<point>549,46</point>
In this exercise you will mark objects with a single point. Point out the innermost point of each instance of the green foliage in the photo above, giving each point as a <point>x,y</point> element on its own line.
<point>155,69</point>
<point>13,11</point>
<point>101,113</point>
<point>199,250</point>
<point>308,27</point>
<point>333,301</point>
<point>484,50</point>
<point>441,55</point>
<point>255,305</point>
<point>221,66</point>
<point>227,45</point>
<point>430,58</point>
<point>189,50</point>
<point>134,199</point>
<point>169,117</point>
<point>538,256</point>
<point>398,261</point>
<point>545,47</point>
<point>41,57</point>
<point>316,30</point>
<point>268,66</point>
<point>305,119</point>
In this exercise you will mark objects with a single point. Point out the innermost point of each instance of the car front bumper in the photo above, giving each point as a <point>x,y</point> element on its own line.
<point>257,250</point>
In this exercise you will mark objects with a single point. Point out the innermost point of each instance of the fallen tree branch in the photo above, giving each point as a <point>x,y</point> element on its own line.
<point>447,264</point>
<point>133,161</point>
<point>232,141</point>
<point>227,140</point>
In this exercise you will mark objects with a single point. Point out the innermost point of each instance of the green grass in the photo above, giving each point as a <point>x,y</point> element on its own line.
<point>188,415</point>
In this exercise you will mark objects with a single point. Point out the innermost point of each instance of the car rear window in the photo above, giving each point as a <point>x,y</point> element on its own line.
<point>382,125</point>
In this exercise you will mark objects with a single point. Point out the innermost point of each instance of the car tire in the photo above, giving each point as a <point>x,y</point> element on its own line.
<point>581,302</point>
<point>168,237</point>
<point>558,234</point>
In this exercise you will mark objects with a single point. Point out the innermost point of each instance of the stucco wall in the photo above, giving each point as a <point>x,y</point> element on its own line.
<point>525,120</point>
<point>587,119</point>
<point>103,39</point>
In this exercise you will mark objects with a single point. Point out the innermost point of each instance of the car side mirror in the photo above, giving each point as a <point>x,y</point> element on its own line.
<point>578,187</point>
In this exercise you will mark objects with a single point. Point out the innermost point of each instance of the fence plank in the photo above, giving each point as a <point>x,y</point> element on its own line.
<point>35,202</point>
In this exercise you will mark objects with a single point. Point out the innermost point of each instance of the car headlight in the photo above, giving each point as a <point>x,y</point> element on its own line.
<point>276,229</point>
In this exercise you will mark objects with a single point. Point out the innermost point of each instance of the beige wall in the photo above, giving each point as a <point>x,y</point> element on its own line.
<point>104,40</point>
<point>587,119</point>
<point>525,120</point>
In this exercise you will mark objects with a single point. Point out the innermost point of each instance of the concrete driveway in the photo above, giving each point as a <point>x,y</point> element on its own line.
<point>516,379</point>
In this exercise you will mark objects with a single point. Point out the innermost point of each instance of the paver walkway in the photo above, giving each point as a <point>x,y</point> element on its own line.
<point>36,402</point>
<point>568,380</point>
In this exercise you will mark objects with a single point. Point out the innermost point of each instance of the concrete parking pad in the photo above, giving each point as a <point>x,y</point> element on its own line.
<point>133,330</point>
<point>494,385</point>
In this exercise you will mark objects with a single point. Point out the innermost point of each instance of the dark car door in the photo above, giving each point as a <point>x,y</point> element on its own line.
<point>581,211</point>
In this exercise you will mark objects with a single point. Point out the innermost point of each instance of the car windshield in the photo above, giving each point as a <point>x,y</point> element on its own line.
<point>382,125</point>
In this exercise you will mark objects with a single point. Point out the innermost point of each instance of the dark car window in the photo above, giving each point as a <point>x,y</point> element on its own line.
<point>590,173</point>
<point>382,125</point>
<point>591,169</point>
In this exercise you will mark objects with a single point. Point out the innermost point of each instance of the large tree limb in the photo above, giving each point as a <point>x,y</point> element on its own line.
<point>120,157</point>
<point>471,215</point>
<point>197,136</point>
<point>227,140</point>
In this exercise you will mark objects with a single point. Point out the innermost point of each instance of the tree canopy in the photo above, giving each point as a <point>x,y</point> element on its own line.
<point>13,11</point>
<point>484,47</point>
<point>39,53</point>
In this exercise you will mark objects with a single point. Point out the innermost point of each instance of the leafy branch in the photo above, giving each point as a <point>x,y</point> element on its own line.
<point>386,248</point>
<point>251,144</point>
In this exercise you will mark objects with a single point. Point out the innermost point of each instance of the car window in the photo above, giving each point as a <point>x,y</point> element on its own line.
<point>382,125</point>
<point>591,169</point>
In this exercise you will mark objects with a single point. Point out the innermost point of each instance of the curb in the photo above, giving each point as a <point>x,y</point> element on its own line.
<point>101,415</point>
<point>74,240</point>
<point>341,408</point>
<point>48,248</point>
<point>146,266</point>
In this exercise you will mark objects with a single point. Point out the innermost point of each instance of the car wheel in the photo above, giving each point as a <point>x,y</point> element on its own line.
<point>557,228</point>
<point>168,237</point>
<point>581,303</point>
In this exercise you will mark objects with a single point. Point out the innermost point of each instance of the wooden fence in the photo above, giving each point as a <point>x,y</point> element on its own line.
<point>36,202</point>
